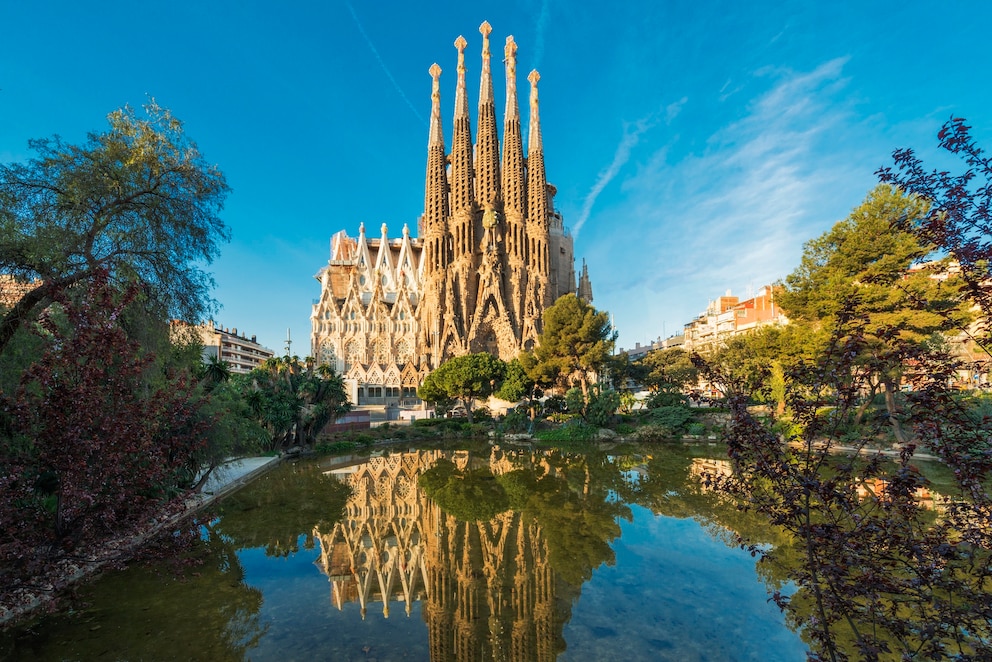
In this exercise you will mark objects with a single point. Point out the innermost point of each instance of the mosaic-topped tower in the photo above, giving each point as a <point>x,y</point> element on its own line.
<point>491,255</point>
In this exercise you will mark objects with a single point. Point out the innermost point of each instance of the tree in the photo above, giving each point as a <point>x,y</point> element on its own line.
<point>864,281</point>
<point>464,378</point>
<point>958,215</point>
<point>576,342</point>
<point>667,369</point>
<point>877,576</point>
<point>90,447</point>
<point>516,384</point>
<point>624,373</point>
<point>293,399</point>
<point>137,202</point>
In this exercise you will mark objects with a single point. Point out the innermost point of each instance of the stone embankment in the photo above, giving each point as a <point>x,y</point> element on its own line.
<point>226,479</point>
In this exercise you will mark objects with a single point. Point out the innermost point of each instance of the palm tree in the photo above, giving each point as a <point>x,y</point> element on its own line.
<point>215,372</point>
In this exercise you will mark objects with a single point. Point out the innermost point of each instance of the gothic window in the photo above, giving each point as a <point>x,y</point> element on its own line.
<point>383,487</point>
<point>352,353</point>
<point>361,280</point>
<point>403,352</point>
<point>381,351</point>
<point>327,355</point>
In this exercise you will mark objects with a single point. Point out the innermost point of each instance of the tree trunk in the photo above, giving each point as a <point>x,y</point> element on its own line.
<point>890,406</point>
<point>23,310</point>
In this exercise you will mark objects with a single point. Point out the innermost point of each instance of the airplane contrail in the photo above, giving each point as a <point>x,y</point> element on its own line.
<point>382,64</point>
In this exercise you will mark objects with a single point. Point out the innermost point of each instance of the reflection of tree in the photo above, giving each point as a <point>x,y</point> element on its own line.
<point>277,508</point>
<point>472,495</point>
<point>154,607</point>
<point>667,487</point>
<point>573,498</point>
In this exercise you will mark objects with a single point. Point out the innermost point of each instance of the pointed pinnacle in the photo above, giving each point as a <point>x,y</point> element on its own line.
<point>510,50</point>
<point>460,44</point>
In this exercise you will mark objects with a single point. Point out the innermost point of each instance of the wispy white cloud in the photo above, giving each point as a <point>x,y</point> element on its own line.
<point>735,211</point>
<point>382,63</point>
<point>631,135</point>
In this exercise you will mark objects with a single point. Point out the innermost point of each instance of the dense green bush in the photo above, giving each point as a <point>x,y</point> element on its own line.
<point>575,430</point>
<point>675,418</point>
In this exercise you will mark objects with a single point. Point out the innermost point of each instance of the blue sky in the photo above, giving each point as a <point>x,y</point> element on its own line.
<point>695,145</point>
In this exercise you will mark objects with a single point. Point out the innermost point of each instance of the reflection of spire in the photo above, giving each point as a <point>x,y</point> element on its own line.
<point>487,588</point>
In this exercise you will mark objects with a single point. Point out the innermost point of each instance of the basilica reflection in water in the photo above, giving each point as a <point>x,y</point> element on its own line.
<point>487,588</point>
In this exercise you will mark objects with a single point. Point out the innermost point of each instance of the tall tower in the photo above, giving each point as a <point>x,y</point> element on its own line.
<point>434,230</point>
<point>463,206</point>
<point>487,142</point>
<point>514,189</point>
<point>537,296</point>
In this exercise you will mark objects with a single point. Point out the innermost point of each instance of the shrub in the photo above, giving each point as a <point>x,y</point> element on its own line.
<point>675,418</point>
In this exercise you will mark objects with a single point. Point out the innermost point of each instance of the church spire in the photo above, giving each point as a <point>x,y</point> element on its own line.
<point>514,182</point>
<point>461,148</point>
<point>537,186</point>
<point>538,295</point>
<point>487,143</point>
<point>514,190</point>
<point>435,217</point>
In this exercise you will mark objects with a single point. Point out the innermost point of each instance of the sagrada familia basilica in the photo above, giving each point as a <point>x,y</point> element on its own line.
<point>491,253</point>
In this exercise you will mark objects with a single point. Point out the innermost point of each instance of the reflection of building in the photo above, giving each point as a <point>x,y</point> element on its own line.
<point>487,589</point>
<point>709,472</point>
<point>240,353</point>
<point>492,253</point>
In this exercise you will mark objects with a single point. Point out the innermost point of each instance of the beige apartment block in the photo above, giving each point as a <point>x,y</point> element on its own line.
<point>241,353</point>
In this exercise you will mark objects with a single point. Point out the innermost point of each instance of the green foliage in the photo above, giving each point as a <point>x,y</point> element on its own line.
<point>667,398</point>
<point>575,401</point>
<point>293,400</point>
<point>464,378</point>
<point>624,373</point>
<point>517,420</point>
<point>572,431</point>
<point>137,201</point>
<point>471,496</point>
<point>231,430</point>
<point>602,406</point>
<point>696,429</point>
<point>667,369</point>
<point>675,419</point>
<point>516,385</point>
<point>576,341</point>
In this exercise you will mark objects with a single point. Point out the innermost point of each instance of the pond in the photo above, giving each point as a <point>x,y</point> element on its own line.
<point>476,553</point>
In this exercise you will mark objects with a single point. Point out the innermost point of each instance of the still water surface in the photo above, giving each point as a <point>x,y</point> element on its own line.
<point>472,554</point>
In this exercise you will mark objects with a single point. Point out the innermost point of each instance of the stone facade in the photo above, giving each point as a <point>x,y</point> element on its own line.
<point>491,254</point>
